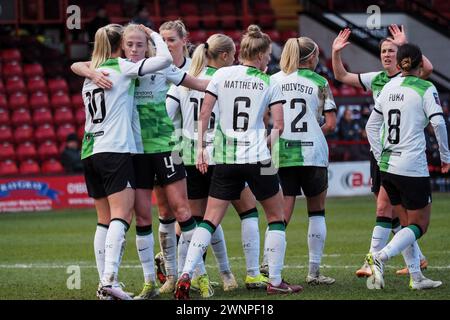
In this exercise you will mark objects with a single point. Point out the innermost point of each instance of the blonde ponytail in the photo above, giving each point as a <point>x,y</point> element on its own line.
<point>107,41</point>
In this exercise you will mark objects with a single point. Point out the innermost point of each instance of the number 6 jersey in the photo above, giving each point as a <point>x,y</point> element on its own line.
<point>109,112</point>
<point>308,96</point>
<point>243,94</point>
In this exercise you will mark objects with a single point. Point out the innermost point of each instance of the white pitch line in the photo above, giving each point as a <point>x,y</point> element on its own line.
<point>138,266</point>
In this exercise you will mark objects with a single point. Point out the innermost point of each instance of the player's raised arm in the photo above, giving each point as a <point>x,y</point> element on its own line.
<point>340,73</point>
<point>100,78</point>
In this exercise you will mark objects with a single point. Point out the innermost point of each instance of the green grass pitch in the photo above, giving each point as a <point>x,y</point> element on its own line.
<point>36,250</point>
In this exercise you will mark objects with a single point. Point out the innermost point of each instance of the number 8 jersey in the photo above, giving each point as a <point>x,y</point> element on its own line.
<point>302,142</point>
<point>109,112</point>
<point>407,105</point>
<point>243,94</point>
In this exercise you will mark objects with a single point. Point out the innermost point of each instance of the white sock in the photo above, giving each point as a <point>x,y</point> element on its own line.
<point>317,233</point>
<point>380,237</point>
<point>99,248</point>
<point>412,260</point>
<point>421,256</point>
<point>264,259</point>
<point>219,247</point>
<point>184,243</point>
<point>168,245</point>
<point>251,244</point>
<point>114,245</point>
<point>399,242</point>
<point>199,243</point>
<point>275,247</point>
<point>144,245</point>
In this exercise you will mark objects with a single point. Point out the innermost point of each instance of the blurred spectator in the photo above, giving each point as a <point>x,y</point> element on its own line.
<point>143,17</point>
<point>432,146</point>
<point>349,128</point>
<point>365,114</point>
<point>100,20</point>
<point>71,156</point>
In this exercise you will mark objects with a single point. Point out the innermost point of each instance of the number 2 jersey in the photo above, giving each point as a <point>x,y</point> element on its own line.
<point>243,94</point>
<point>189,102</point>
<point>302,142</point>
<point>407,104</point>
<point>109,112</point>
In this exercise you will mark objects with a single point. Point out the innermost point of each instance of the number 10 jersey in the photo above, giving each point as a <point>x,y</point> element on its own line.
<point>109,112</point>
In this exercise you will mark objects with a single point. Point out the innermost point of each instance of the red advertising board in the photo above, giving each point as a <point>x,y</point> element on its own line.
<point>43,193</point>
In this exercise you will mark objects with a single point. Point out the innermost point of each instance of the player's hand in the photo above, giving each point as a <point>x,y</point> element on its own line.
<point>147,30</point>
<point>398,35</point>
<point>100,78</point>
<point>341,40</point>
<point>445,167</point>
<point>202,160</point>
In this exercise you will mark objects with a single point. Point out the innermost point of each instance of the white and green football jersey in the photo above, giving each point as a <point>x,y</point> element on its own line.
<point>243,94</point>
<point>188,103</point>
<point>375,81</point>
<point>152,126</point>
<point>302,142</point>
<point>407,105</point>
<point>109,112</point>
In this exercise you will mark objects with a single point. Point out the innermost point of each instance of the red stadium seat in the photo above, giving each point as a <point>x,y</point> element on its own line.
<point>33,70</point>
<point>80,116</point>
<point>210,21</point>
<point>3,103</point>
<point>48,150</point>
<point>287,34</point>
<point>7,151</point>
<point>63,131</point>
<point>42,116</point>
<point>52,166</point>
<point>63,115</point>
<point>77,101</point>
<point>21,116</point>
<point>334,91</point>
<point>23,133</point>
<point>18,100</point>
<point>197,36</point>
<point>35,84</point>
<point>15,84</point>
<point>348,91</point>
<point>55,85</point>
<point>80,132</point>
<point>274,35</point>
<point>192,22</point>
<point>60,99</point>
<point>114,9</point>
<point>4,116</point>
<point>2,86</point>
<point>226,8</point>
<point>8,168</point>
<point>13,69</point>
<point>189,9</point>
<point>29,166</point>
<point>45,132</point>
<point>266,20</point>
<point>229,21</point>
<point>39,100</point>
<point>11,55</point>
<point>26,150</point>
<point>6,133</point>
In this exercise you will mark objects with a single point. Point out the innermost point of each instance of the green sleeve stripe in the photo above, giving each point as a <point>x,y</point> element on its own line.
<point>417,84</point>
<point>259,74</point>
<point>314,77</point>
<point>112,64</point>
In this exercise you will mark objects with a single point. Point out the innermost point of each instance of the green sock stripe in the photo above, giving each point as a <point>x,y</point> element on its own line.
<point>416,229</point>
<point>205,224</point>
<point>102,225</point>
<point>127,226</point>
<point>395,223</point>
<point>144,230</point>
<point>384,222</point>
<point>188,224</point>
<point>277,225</point>
<point>252,213</point>
<point>168,221</point>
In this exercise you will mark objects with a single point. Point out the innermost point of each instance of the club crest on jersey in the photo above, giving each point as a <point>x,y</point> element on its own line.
<point>436,98</point>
